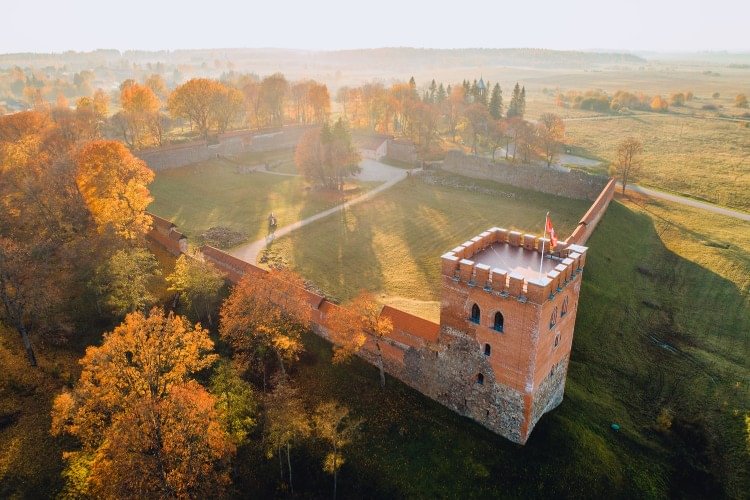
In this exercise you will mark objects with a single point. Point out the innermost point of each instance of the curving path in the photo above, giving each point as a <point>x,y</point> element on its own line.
<point>687,201</point>
<point>371,171</point>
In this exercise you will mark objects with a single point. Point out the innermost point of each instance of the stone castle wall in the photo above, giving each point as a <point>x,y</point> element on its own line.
<point>231,143</point>
<point>402,150</point>
<point>442,361</point>
<point>573,184</point>
<point>593,215</point>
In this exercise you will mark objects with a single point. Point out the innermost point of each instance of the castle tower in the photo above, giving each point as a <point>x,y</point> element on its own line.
<point>506,329</point>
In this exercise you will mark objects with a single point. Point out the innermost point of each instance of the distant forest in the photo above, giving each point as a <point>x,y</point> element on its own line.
<point>344,58</point>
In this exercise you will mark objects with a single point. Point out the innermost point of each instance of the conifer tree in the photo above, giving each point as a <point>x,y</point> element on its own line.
<point>496,102</point>
<point>433,91</point>
<point>513,109</point>
<point>522,102</point>
<point>441,94</point>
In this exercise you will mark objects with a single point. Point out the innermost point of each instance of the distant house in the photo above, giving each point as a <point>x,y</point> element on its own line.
<point>372,146</point>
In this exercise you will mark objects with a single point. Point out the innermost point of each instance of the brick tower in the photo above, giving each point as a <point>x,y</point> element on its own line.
<point>506,329</point>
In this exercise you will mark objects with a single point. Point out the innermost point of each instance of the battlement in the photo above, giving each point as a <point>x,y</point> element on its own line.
<point>507,263</point>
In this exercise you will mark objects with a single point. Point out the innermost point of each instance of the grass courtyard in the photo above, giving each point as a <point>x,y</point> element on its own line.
<point>391,245</point>
<point>214,193</point>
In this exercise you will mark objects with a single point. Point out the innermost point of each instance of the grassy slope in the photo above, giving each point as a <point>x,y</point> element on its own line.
<point>197,197</point>
<point>415,448</point>
<point>392,244</point>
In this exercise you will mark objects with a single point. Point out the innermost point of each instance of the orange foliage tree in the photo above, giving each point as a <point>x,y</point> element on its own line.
<point>264,316</point>
<point>550,132</point>
<point>113,184</point>
<point>350,325</point>
<point>151,429</point>
<point>196,101</point>
<point>658,103</point>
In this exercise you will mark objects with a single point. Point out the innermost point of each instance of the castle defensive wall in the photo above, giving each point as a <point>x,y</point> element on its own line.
<point>501,351</point>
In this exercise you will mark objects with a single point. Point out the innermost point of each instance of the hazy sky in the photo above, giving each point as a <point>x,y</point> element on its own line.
<point>58,25</point>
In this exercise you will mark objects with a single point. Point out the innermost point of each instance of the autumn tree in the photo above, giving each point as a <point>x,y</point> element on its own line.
<point>740,101</point>
<point>227,106</point>
<point>113,183</point>
<point>475,124</point>
<point>236,402</point>
<point>196,100</point>
<point>526,141</point>
<point>46,229</point>
<point>351,325</point>
<point>627,159</point>
<point>198,283</point>
<point>497,136</point>
<point>264,316</point>
<point>137,410</point>
<point>286,422</point>
<point>140,107</point>
<point>124,281</point>
<point>677,99</point>
<point>158,86</point>
<point>658,103</point>
<point>550,133</point>
<point>327,156</point>
<point>333,424</point>
<point>273,94</point>
<point>453,109</point>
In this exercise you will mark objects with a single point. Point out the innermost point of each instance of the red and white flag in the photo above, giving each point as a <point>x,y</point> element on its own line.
<point>551,231</point>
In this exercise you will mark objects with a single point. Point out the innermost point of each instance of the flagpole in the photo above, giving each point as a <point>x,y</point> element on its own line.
<point>541,259</point>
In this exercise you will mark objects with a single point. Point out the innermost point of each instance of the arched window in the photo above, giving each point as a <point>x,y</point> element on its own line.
<point>557,340</point>
<point>553,318</point>
<point>475,314</point>
<point>498,325</point>
<point>564,309</point>
<point>480,379</point>
<point>487,349</point>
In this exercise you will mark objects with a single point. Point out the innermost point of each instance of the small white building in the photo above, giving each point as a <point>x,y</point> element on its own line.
<point>373,147</point>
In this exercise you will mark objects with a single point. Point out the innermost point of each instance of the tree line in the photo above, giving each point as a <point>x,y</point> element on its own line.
<point>155,411</point>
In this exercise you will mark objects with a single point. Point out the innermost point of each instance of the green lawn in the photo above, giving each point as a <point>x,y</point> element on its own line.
<point>391,245</point>
<point>198,197</point>
<point>705,158</point>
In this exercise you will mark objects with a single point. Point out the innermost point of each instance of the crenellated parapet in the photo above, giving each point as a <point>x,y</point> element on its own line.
<point>507,263</point>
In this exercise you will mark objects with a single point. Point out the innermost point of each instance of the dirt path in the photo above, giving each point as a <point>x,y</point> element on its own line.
<point>371,171</point>
<point>688,202</point>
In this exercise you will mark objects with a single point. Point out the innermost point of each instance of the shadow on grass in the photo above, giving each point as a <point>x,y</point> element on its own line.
<point>413,447</point>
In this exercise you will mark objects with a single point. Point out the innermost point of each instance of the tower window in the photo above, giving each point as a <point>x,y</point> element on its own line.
<point>564,310</point>
<point>553,318</point>
<point>557,340</point>
<point>475,314</point>
<point>499,320</point>
<point>480,379</point>
<point>487,349</point>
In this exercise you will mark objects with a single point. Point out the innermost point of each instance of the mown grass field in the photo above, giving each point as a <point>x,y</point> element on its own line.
<point>391,245</point>
<point>214,193</point>
<point>704,158</point>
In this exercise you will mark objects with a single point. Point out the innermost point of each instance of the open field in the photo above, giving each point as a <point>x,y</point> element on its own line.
<point>708,159</point>
<point>392,244</point>
<point>198,197</point>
